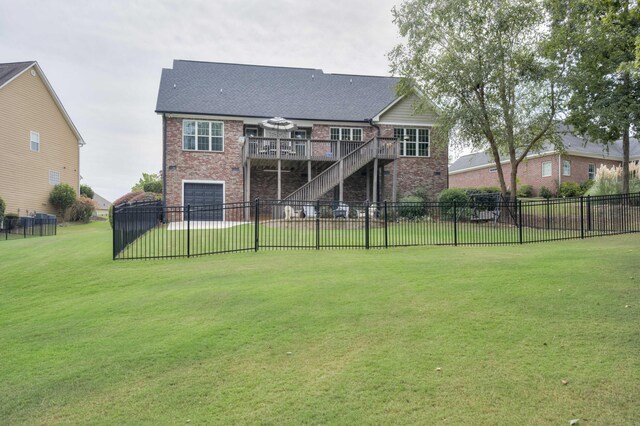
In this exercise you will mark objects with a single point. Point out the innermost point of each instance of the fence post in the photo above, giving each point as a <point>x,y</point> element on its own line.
<point>114,217</point>
<point>386,227</point>
<point>317,224</point>
<point>519,205</point>
<point>256,240</point>
<point>455,224</point>
<point>548,215</point>
<point>24,229</point>
<point>366,227</point>
<point>582,217</point>
<point>188,230</point>
<point>589,213</point>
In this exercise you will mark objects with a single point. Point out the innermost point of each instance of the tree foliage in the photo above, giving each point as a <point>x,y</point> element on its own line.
<point>599,38</point>
<point>481,63</point>
<point>150,182</point>
<point>86,191</point>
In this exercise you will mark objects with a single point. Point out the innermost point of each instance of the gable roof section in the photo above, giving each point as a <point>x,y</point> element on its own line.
<point>573,145</point>
<point>10,71</point>
<point>211,88</point>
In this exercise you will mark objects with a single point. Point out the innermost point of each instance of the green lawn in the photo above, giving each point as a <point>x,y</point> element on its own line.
<point>423,335</point>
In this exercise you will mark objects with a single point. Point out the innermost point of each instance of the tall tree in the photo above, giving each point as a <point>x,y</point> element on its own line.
<point>150,182</point>
<point>481,63</point>
<point>599,37</point>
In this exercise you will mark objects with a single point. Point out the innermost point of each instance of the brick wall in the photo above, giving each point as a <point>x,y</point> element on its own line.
<point>530,173</point>
<point>198,165</point>
<point>413,173</point>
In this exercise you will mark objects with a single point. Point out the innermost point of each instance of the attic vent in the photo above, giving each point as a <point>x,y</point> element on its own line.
<point>312,77</point>
<point>33,73</point>
<point>350,81</point>
<point>220,90</point>
<point>174,86</point>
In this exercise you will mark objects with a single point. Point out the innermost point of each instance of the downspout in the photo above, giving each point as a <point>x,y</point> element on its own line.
<point>164,161</point>
<point>370,121</point>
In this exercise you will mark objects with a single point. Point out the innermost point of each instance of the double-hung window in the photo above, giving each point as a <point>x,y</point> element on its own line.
<point>592,171</point>
<point>346,134</point>
<point>413,142</point>
<point>34,141</point>
<point>546,168</point>
<point>202,135</point>
<point>566,168</point>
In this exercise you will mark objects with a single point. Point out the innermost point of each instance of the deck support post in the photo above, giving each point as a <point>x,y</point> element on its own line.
<point>308,171</point>
<point>247,190</point>
<point>341,178</point>
<point>394,187</point>
<point>368,184</point>
<point>375,180</point>
<point>279,179</point>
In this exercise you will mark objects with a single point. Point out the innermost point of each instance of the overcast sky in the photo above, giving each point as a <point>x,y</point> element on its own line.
<point>104,58</point>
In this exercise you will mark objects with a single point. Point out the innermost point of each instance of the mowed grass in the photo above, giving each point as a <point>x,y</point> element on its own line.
<point>423,335</point>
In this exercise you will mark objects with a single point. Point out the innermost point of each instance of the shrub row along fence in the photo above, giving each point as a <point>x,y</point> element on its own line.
<point>149,230</point>
<point>40,225</point>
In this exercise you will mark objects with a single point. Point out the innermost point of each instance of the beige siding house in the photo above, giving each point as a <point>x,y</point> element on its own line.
<point>39,144</point>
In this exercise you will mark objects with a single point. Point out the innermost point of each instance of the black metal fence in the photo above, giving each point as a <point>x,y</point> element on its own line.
<point>40,225</point>
<point>147,230</point>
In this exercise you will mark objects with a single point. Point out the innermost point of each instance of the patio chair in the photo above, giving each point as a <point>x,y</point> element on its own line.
<point>341,211</point>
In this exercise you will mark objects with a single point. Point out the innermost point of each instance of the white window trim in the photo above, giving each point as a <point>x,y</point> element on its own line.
<point>550,169</point>
<point>589,173</point>
<point>54,173</point>
<point>224,192</point>
<point>196,135</point>
<point>417,129</point>
<point>350,129</point>
<point>31,141</point>
<point>564,170</point>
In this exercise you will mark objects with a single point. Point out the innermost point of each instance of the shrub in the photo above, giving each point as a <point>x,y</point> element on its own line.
<point>546,193</point>
<point>411,207</point>
<point>11,221</point>
<point>448,197</point>
<point>62,197</point>
<point>82,209</point>
<point>86,191</point>
<point>609,180</point>
<point>570,189</point>
<point>155,187</point>
<point>2,207</point>
<point>586,185</point>
<point>525,191</point>
<point>458,195</point>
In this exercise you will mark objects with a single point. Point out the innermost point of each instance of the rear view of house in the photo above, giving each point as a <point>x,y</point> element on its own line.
<point>39,144</point>
<point>352,138</point>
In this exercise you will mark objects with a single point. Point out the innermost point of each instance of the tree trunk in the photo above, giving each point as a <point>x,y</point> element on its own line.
<point>514,183</point>
<point>496,159</point>
<point>625,161</point>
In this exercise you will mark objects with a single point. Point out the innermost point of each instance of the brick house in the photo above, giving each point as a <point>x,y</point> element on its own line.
<point>354,139</point>
<point>577,163</point>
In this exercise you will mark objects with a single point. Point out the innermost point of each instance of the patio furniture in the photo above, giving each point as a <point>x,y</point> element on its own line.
<point>341,211</point>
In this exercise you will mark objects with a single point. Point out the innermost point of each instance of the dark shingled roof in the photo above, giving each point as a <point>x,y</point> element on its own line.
<point>264,91</point>
<point>10,70</point>
<point>573,145</point>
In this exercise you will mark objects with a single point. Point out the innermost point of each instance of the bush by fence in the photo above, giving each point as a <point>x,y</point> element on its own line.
<point>149,230</point>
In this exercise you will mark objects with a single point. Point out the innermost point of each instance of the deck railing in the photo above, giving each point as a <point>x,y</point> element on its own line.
<point>143,231</point>
<point>298,149</point>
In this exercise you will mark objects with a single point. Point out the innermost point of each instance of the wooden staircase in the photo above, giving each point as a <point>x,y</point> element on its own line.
<point>349,164</point>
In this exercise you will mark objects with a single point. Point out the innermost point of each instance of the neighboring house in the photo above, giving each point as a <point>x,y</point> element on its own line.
<point>102,205</point>
<point>549,167</point>
<point>39,144</point>
<point>344,147</point>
